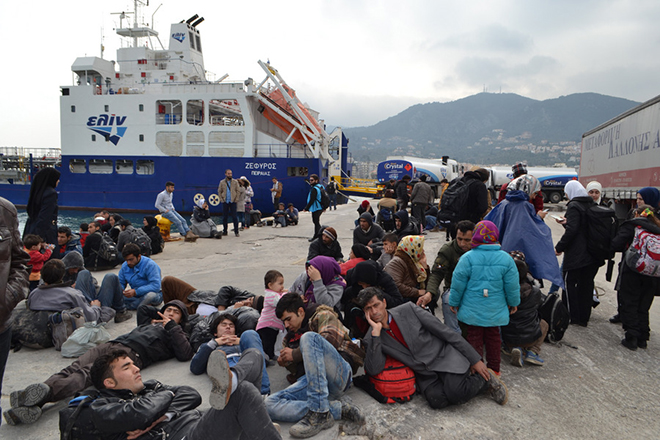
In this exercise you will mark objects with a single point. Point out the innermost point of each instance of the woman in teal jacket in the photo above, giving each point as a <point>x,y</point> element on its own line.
<point>485,288</point>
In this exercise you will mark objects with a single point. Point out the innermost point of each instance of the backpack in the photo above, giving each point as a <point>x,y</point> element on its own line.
<point>31,329</point>
<point>454,199</point>
<point>107,249</point>
<point>643,255</point>
<point>64,323</point>
<point>395,384</point>
<point>139,237</point>
<point>554,312</point>
<point>601,230</point>
<point>76,419</point>
<point>325,199</point>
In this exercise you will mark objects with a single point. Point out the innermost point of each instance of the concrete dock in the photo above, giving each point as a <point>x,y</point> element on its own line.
<point>590,387</point>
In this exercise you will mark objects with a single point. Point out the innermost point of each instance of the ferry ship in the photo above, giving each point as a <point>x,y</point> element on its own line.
<point>152,116</point>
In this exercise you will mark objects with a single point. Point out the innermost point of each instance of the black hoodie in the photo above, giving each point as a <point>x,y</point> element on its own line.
<point>374,233</point>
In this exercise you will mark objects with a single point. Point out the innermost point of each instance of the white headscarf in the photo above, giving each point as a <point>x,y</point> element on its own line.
<point>597,186</point>
<point>575,189</point>
<point>200,202</point>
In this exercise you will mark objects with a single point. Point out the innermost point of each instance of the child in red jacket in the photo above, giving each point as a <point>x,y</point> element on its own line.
<point>39,253</point>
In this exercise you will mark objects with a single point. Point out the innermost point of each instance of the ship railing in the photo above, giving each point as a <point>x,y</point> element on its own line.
<point>358,183</point>
<point>282,151</point>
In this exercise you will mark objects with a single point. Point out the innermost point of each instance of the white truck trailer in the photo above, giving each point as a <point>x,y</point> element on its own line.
<point>623,155</point>
<point>552,180</point>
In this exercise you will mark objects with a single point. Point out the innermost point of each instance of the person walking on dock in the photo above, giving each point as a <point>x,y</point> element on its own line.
<point>314,204</point>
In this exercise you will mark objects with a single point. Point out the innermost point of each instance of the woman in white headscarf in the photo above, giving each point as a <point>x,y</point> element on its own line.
<point>579,266</point>
<point>201,223</point>
<point>595,190</point>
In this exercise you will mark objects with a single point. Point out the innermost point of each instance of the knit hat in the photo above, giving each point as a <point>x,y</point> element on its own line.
<point>73,260</point>
<point>650,195</point>
<point>330,233</point>
<point>517,255</point>
<point>365,204</point>
<point>361,251</point>
<point>200,202</point>
<point>519,169</point>
<point>485,233</point>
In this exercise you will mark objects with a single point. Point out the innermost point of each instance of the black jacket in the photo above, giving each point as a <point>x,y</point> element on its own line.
<point>157,242</point>
<point>574,241</point>
<point>626,232</point>
<point>408,225</point>
<point>375,232</point>
<point>317,247</point>
<point>370,272</point>
<point>401,190</point>
<point>115,412</point>
<point>524,326</point>
<point>477,199</point>
<point>45,223</point>
<point>92,260</point>
<point>155,343</point>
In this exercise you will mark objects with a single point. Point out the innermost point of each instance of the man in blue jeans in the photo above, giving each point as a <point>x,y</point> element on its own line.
<point>166,207</point>
<point>224,330</point>
<point>228,192</point>
<point>142,274</point>
<point>314,400</point>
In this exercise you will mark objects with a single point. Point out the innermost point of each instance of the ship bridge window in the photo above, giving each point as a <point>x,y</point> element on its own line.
<point>100,166</point>
<point>199,43</point>
<point>192,40</point>
<point>168,112</point>
<point>144,167</point>
<point>77,166</point>
<point>195,112</point>
<point>124,166</point>
<point>225,112</point>
<point>73,109</point>
<point>297,171</point>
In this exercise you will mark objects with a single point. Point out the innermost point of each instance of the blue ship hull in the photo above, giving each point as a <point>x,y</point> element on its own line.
<point>191,175</point>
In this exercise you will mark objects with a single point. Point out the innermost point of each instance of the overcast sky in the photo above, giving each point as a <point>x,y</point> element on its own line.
<point>357,62</point>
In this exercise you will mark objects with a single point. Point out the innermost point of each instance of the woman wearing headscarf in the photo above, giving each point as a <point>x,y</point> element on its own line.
<point>249,193</point>
<point>201,223</point>
<point>579,266</point>
<point>635,291</point>
<point>321,282</point>
<point>409,271</point>
<point>403,225</point>
<point>595,190</point>
<point>42,206</point>
<point>521,229</point>
<point>153,232</point>
<point>240,203</point>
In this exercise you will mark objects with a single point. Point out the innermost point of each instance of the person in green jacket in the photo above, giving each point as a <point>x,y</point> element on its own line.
<point>443,268</point>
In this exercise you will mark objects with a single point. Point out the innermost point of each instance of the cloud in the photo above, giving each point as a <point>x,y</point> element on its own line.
<point>490,38</point>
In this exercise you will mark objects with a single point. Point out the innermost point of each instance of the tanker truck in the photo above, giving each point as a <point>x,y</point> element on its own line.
<point>552,180</point>
<point>396,167</point>
<point>622,155</point>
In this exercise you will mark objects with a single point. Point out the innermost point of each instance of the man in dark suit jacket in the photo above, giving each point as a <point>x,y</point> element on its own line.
<point>447,369</point>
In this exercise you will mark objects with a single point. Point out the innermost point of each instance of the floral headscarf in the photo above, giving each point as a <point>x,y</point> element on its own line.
<point>485,232</point>
<point>413,246</point>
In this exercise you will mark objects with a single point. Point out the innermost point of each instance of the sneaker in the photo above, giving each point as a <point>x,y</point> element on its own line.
<point>496,389</point>
<point>123,316</point>
<point>22,415</point>
<point>352,413</point>
<point>33,395</point>
<point>218,371</point>
<point>312,424</point>
<point>533,358</point>
<point>517,357</point>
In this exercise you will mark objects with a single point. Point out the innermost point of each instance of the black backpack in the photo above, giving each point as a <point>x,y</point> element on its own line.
<point>76,418</point>
<point>107,249</point>
<point>453,202</point>
<point>601,230</point>
<point>325,199</point>
<point>139,237</point>
<point>554,312</point>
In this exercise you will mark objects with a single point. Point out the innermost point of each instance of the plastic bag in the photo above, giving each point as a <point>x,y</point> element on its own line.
<point>84,338</point>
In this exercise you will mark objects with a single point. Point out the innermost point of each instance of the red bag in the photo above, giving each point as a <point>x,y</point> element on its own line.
<point>395,384</point>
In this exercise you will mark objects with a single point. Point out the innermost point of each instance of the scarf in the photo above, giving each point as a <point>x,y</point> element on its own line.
<point>413,246</point>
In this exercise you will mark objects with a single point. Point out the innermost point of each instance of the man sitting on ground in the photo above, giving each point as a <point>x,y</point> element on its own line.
<point>146,344</point>
<point>330,360</point>
<point>224,331</point>
<point>130,408</point>
<point>67,242</point>
<point>55,295</point>
<point>367,232</point>
<point>292,214</point>
<point>326,245</point>
<point>447,369</point>
<point>143,276</point>
<point>280,216</point>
